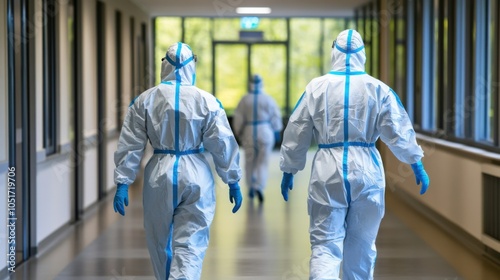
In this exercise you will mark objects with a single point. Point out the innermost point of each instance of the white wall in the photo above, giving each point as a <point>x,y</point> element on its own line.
<point>111,148</point>
<point>89,53</point>
<point>126,64</point>
<point>55,187</point>
<point>39,18</point>
<point>455,191</point>
<point>54,194</point>
<point>90,82</point>
<point>89,68</point>
<point>3,134</point>
<point>112,106</point>
<point>111,46</point>
<point>130,10</point>
<point>65,78</point>
<point>55,173</point>
<point>127,10</point>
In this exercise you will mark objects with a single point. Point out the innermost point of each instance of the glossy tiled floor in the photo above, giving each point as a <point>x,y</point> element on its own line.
<point>268,241</point>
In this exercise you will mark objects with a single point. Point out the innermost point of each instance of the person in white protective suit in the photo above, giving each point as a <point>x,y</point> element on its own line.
<point>180,121</point>
<point>346,111</point>
<point>257,123</point>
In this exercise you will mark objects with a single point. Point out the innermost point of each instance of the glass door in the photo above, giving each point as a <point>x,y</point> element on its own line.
<point>235,62</point>
<point>269,61</point>
<point>231,74</point>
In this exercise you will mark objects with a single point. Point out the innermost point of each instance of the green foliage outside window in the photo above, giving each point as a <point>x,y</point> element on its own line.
<point>332,28</point>
<point>305,57</point>
<point>226,28</point>
<point>274,29</point>
<point>168,32</point>
<point>197,36</point>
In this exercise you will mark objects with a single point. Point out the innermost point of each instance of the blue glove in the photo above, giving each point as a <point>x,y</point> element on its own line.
<point>235,194</point>
<point>121,197</point>
<point>286,184</point>
<point>277,137</point>
<point>421,176</point>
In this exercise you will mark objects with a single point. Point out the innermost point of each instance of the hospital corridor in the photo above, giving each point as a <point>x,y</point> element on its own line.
<point>242,140</point>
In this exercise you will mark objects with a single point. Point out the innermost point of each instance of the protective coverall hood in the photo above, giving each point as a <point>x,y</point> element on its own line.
<point>179,64</point>
<point>256,84</point>
<point>352,45</point>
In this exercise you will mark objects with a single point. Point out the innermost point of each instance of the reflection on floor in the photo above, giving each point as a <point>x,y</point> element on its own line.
<point>267,241</point>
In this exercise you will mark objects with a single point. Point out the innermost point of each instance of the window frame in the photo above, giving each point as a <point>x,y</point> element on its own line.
<point>50,78</point>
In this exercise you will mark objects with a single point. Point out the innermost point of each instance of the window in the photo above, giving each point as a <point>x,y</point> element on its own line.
<point>410,60</point>
<point>373,30</point>
<point>367,37</point>
<point>168,31</point>
<point>464,99</point>
<point>429,45</point>
<point>493,69</point>
<point>452,78</point>
<point>305,57</point>
<point>133,82</point>
<point>50,101</point>
<point>417,65</point>
<point>491,85</point>
<point>442,68</point>
<point>118,69</point>
<point>198,35</point>
<point>399,66</point>
<point>142,54</point>
<point>331,29</point>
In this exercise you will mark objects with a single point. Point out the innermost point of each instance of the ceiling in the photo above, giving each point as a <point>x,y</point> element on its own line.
<point>226,8</point>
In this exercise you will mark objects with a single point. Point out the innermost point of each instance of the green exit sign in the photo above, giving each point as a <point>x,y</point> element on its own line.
<point>249,22</point>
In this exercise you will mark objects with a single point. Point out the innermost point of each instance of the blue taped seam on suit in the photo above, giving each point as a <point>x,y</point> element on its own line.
<point>298,102</point>
<point>255,147</point>
<point>176,140</point>
<point>177,64</point>
<point>179,153</point>
<point>133,101</point>
<point>220,103</point>
<point>177,119</point>
<point>397,97</point>
<point>345,73</point>
<point>171,61</point>
<point>257,122</point>
<point>348,51</point>
<point>346,121</point>
<point>342,144</point>
<point>352,144</point>
<point>169,250</point>
<point>375,160</point>
<point>186,62</point>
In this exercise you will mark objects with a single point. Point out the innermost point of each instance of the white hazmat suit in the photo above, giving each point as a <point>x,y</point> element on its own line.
<point>346,111</point>
<point>257,123</point>
<point>180,121</point>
